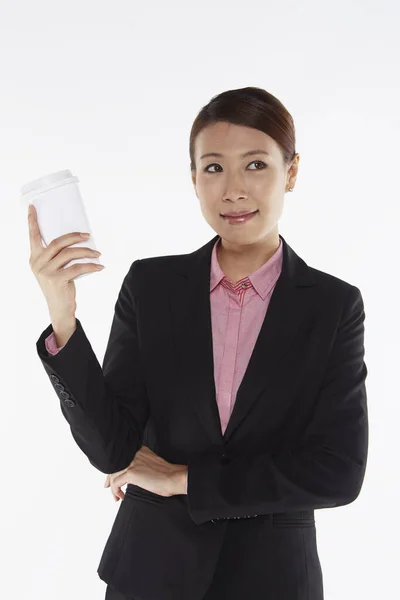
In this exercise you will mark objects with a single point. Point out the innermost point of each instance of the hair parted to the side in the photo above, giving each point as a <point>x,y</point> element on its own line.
<point>251,107</point>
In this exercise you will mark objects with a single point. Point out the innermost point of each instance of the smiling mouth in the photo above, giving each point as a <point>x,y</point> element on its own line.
<point>239,220</point>
<point>237,215</point>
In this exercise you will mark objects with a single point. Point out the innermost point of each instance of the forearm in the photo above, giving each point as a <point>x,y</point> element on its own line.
<point>107,433</point>
<point>63,329</point>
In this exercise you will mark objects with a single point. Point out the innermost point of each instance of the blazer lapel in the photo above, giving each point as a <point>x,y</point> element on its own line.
<point>191,324</point>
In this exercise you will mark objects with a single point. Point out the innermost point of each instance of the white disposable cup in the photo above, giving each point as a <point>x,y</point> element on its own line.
<point>60,210</point>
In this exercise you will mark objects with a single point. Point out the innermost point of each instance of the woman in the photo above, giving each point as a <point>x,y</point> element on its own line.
<point>232,398</point>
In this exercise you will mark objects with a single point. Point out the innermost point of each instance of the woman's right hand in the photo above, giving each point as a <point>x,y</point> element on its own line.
<point>47,264</point>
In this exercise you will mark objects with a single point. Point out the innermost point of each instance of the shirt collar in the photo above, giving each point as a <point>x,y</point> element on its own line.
<point>262,280</point>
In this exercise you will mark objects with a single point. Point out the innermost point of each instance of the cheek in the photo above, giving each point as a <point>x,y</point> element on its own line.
<point>208,207</point>
<point>207,187</point>
<point>209,197</point>
<point>262,185</point>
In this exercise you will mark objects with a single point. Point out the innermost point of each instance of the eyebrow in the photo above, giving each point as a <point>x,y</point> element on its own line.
<point>251,152</point>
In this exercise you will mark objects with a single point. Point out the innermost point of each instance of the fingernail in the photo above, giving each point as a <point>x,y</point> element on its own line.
<point>85,235</point>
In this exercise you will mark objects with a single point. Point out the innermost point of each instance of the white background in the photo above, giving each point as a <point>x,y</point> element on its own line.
<point>109,90</point>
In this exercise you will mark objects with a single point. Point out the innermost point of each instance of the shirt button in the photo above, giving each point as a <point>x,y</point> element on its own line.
<point>244,285</point>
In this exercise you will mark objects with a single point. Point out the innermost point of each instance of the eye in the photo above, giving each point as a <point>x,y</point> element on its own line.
<point>254,161</point>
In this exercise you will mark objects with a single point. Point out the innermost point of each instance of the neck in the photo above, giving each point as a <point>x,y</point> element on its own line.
<point>240,260</point>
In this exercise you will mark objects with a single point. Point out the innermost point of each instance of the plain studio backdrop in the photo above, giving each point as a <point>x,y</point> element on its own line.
<point>110,91</point>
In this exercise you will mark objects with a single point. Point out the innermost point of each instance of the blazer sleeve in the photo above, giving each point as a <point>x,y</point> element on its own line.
<point>327,467</point>
<point>51,345</point>
<point>106,406</point>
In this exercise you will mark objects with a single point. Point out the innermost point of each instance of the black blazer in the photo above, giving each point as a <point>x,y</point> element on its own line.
<point>297,439</point>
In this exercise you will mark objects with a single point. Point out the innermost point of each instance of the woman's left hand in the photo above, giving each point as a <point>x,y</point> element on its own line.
<point>149,471</point>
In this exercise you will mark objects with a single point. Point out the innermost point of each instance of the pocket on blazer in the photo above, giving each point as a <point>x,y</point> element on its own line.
<point>299,518</point>
<point>143,495</point>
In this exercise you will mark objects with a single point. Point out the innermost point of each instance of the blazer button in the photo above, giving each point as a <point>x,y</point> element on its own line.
<point>69,402</point>
<point>64,395</point>
<point>59,386</point>
<point>225,459</point>
<point>54,378</point>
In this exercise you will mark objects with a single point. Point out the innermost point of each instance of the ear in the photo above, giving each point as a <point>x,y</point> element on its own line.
<point>194,183</point>
<point>293,170</point>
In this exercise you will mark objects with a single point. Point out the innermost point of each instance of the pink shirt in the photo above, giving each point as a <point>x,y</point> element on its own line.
<point>237,313</point>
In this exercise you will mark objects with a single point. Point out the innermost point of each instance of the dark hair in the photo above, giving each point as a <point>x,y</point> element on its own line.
<point>251,107</point>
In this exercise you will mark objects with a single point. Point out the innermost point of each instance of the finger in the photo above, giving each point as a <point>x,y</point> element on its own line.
<point>35,239</point>
<point>109,483</point>
<point>114,496</point>
<point>117,484</point>
<point>117,493</point>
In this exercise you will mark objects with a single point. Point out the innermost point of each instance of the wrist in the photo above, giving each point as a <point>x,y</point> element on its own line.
<point>63,329</point>
<point>179,481</point>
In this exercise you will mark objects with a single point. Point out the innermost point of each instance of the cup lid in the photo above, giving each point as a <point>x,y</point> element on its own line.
<point>47,180</point>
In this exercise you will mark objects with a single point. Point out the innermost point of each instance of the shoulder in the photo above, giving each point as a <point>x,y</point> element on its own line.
<point>333,290</point>
<point>146,273</point>
<point>331,282</point>
<point>159,265</point>
<point>330,288</point>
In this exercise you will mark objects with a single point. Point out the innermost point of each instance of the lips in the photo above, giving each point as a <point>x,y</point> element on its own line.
<point>239,220</point>
<point>240,213</point>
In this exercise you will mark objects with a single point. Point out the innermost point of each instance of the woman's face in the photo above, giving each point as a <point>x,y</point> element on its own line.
<point>232,182</point>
